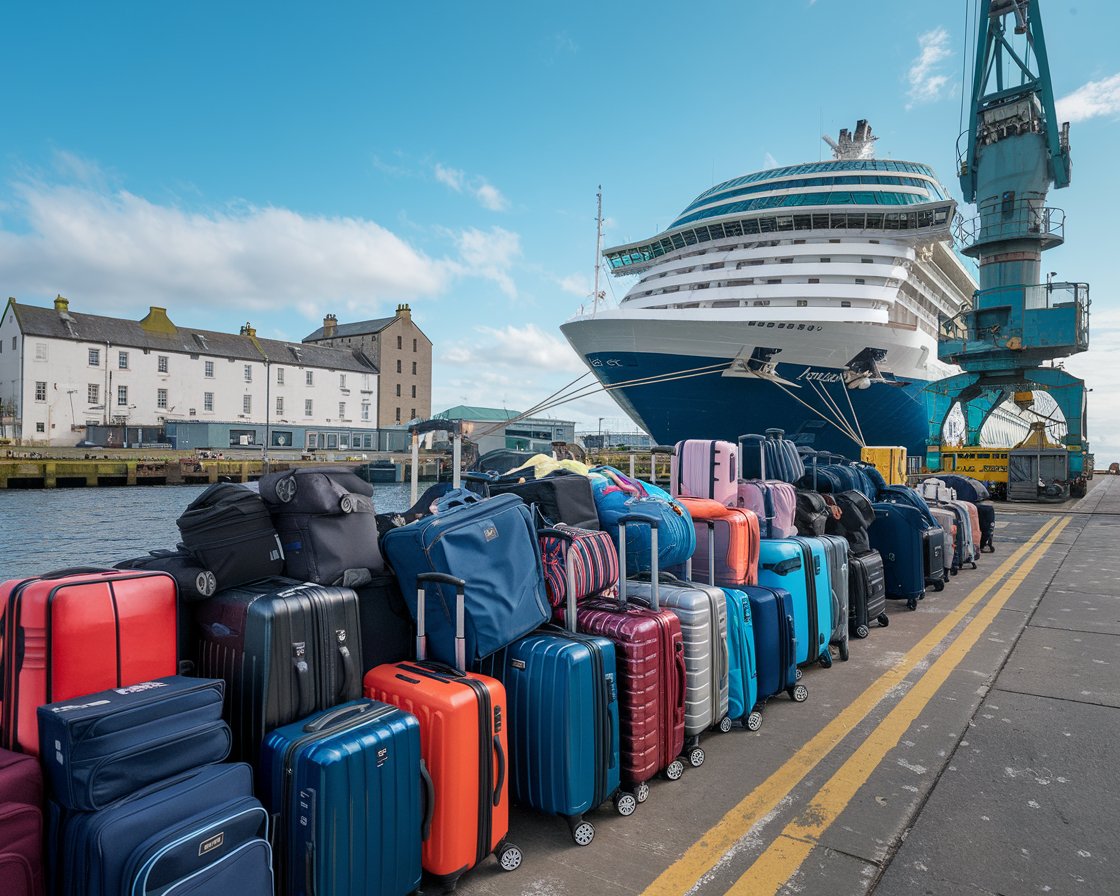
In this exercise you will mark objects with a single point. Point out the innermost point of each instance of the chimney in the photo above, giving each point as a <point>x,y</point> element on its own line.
<point>403,311</point>
<point>61,305</point>
<point>157,321</point>
<point>330,326</point>
<point>247,330</point>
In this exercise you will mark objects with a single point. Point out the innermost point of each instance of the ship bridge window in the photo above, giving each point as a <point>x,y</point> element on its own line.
<point>786,260</point>
<point>826,260</point>
<point>775,280</point>
<point>814,279</point>
<point>802,303</point>
<point>762,302</point>
<point>845,304</point>
<point>867,260</point>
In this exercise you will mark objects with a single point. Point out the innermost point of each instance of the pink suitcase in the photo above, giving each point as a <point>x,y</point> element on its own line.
<point>703,468</point>
<point>21,825</point>
<point>775,504</point>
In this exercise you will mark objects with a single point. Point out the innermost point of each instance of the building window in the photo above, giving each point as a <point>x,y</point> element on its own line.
<point>13,343</point>
<point>398,420</point>
<point>307,406</point>
<point>398,365</point>
<point>246,404</point>
<point>365,410</point>
<point>93,393</point>
<point>342,381</point>
<point>122,396</point>
<point>412,414</point>
<point>398,390</point>
<point>400,343</point>
<point>40,391</point>
<point>279,404</point>
<point>209,370</point>
<point>161,363</point>
<point>414,368</point>
<point>122,360</point>
<point>161,398</point>
<point>413,391</point>
<point>310,378</point>
<point>208,401</point>
<point>95,357</point>
<point>40,351</point>
<point>279,376</point>
<point>248,373</point>
<point>342,410</point>
<point>40,427</point>
<point>414,345</point>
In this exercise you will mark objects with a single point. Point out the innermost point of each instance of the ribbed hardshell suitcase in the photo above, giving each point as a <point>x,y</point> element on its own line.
<point>736,535</point>
<point>649,651</point>
<point>703,468</point>
<point>585,558</point>
<point>563,717</point>
<point>107,745</point>
<point>344,786</point>
<point>201,832</point>
<point>21,825</point>
<point>839,574</point>
<point>963,549</point>
<point>867,593</point>
<point>798,565</point>
<point>75,631</point>
<point>974,527</point>
<point>947,520</point>
<point>464,742</point>
<point>284,649</point>
<point>775,644</point>
<point>897,534</point>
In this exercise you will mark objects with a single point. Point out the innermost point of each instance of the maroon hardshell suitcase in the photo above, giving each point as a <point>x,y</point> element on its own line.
<point>21,825</point>
<point>649,652</point>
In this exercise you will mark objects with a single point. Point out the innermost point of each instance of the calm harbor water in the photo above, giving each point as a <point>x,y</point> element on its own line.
<point>48,529</point>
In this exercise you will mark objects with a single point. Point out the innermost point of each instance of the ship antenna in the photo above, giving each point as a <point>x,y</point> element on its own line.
<point>598,295</point>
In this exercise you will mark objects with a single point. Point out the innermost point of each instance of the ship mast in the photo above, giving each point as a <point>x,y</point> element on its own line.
<point>598,295</point>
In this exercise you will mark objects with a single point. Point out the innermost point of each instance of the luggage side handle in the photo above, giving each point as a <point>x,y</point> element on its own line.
<point>501,769</point>
<point>429,802</point>
<point>654,576</point>
<point>349,664</point>
<point>784,567</point>
<point>303,677</point>
<point>76,571</point>
<point>442,578</point>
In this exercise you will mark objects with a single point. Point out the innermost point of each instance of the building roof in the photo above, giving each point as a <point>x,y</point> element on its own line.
<point>489,415</point>
<point>360,328</point>
<point>157,332</point>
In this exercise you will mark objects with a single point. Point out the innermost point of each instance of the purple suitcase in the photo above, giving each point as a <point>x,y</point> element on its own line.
<point>21,825</point>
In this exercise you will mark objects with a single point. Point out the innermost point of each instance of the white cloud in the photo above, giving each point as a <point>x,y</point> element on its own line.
<point>575,284</point>
<point>768,161</point>
<point>1098,368</point>
<point>1092,100</point>
<point>927,82</point>
<point>480,188</point>
<point>489,254</point>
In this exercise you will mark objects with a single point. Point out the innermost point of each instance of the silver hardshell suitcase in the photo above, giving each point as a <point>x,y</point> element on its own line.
<point>702,611</point>
<point>964,524</point>
<point>954,546</point>
<point>836,549</point>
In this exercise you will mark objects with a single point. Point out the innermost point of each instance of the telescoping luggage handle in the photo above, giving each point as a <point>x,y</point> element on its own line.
<point>569,575</point>
<point>654,571</point>
<point>459,585</point>
<point>761,452</point>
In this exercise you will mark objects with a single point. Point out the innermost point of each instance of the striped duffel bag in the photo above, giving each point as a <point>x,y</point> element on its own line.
<point>590,553</point>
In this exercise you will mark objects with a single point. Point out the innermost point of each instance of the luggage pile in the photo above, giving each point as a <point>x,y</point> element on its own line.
<point>291,702</point>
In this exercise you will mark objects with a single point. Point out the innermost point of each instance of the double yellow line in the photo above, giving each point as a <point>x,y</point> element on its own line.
<point>785,855</point>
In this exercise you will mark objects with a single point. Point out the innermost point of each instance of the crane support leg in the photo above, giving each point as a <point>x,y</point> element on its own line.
<point>1070,394</point>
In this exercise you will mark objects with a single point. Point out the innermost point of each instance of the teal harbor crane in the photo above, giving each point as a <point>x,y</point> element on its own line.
<point>1008,340</point>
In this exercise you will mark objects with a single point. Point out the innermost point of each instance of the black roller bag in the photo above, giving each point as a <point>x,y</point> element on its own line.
<point>228,530</point>
<point>327,524</point>
<point>867,593</point>
<point>987,527</point>
<point>560,497</point>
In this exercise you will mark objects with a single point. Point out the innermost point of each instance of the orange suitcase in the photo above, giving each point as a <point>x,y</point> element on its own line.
<point>736,542</point>
<point>463,744</point>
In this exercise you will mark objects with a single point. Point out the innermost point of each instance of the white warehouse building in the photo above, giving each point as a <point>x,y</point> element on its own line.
<point>61,371</point>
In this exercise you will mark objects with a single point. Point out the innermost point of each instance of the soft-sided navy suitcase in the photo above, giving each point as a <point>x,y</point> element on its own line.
<point>200,833</point>
<point>352,801</point>
<point>562,693</point>
<point>284,649</point>
<point>897,534</point>
<point>775,648</point>
<point>21,825</point>
<point>107,745</point>
<point>867,593</point>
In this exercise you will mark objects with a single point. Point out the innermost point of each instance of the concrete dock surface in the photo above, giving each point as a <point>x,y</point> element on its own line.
<point>968,748</point>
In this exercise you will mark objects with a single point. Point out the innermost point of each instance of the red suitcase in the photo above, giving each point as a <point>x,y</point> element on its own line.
<point>649,651</point>
<point>21,825</point>
<point>75,632</point>
<point>464,745</point>
<point>736,542</point>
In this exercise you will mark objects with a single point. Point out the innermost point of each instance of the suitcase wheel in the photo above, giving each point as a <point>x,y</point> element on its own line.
<point>754,721</point>
<point>844,651</point>
<point>940,586</point>
<point>825,659</point>
<point>583,833</point>
<point>912,603</point>
<point>953,571</point>
<point>862,631</point>
<point>696,757</point>
<point>884,620</point>
<point>973,564</point>
<point>798,674</point>
<point>799,693</point>
<point>641,793</point>
<point>625,803</point>
<point>725,724</point>
<point>675,769</point>
<point>509,856</point>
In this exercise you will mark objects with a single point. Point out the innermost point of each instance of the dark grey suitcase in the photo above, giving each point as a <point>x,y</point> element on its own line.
<point>836,549</point>
<point>867,593</point>
<point>285,649</point>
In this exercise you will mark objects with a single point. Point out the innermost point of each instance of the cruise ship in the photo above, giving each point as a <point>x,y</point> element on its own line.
<point>805,298</point>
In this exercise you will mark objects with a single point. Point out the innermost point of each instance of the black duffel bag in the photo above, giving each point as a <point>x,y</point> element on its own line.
<point>560,497</point>
<point>194,580</point>
<point>229,531</point>
<point>327,524</point>
<point>812,513</point>
<point>856,516</point>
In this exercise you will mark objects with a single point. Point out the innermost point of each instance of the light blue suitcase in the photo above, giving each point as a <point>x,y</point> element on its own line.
<point>799,566</point>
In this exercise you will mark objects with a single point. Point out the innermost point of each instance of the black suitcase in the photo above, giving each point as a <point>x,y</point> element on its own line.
<point>388,632</point>
<point>867,593</point>
<point>284,648</point>
<point>326,522</point>
<point>228,530</point>
<point>560,497</point>
<point>987,527</point>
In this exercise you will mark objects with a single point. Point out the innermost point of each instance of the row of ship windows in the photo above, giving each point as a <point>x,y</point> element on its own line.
<point>758,262</point>
<point>750,281</point>
<point>821,167</point>
<point>796,199</point>
<point>770,186</point>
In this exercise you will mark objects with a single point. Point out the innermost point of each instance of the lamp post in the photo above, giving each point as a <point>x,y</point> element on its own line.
<point>600,433</point>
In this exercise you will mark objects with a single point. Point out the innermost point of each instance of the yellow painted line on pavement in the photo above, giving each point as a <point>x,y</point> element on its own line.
<point>780,861</point>
<point>683,874</point>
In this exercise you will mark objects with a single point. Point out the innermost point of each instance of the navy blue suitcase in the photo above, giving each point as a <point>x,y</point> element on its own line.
<point>933,539</point>
<point>897,534</point>
<point>345,787</point>
<point>99,748</point>
<point>201,832</point>
<point>775,645</point>
<point>564,748</point>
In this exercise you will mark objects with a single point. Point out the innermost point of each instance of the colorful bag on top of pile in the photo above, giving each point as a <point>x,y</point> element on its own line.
<point>616,495</point>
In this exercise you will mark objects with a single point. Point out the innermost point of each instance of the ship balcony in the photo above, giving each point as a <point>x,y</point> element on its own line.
<point>1022,219</point>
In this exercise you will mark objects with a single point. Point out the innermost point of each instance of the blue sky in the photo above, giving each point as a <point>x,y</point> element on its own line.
<point>272,162</point>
